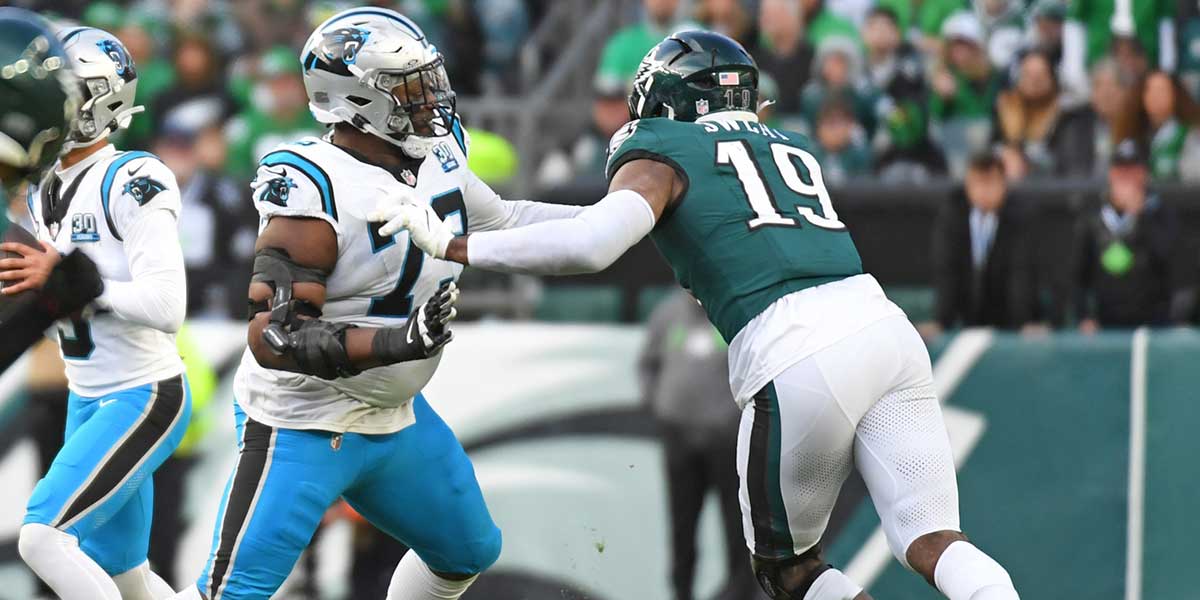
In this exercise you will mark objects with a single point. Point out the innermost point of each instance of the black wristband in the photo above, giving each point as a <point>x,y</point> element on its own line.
<point>396,344</point>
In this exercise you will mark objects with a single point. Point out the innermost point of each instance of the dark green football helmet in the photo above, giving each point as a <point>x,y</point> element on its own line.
<point>38,96</point>
<point>691,74</point>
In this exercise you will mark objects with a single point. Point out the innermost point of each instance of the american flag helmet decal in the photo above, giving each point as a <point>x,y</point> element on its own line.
<point>728,79</point>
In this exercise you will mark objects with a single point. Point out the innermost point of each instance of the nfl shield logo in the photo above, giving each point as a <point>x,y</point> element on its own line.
<point>409,178</point>
<point>702,107</point>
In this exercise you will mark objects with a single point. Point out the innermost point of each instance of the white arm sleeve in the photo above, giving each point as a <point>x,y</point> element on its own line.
<point>586,243</point>
<point>156,295</point>
<point>487,211</point>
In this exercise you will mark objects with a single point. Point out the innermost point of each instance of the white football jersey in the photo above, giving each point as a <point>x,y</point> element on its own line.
<point>97,199</point>
<point>377,281</point>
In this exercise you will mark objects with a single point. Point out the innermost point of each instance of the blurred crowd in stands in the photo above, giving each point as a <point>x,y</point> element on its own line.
<point>996,93</point>
<point>905,90</point>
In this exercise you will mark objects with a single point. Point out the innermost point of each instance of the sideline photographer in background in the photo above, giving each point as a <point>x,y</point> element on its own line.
<point>684,372</point>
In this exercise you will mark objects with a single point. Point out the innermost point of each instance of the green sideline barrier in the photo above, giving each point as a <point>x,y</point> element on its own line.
<point>579,304</point>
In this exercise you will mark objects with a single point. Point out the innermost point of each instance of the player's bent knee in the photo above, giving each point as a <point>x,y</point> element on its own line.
<point>923,553</point>
<point>487,551</point>
<point>789,578</point>
<point>471,559</point>
<point>36,542</point>
<point>28,541</point>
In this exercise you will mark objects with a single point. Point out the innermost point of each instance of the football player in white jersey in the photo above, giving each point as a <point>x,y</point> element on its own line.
<point>347,324</point>
<point>86,530</point>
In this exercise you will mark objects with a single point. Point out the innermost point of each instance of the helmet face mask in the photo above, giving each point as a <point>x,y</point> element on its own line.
<point>374,69</point>
<point>691,74</point>
<point>425,102</point>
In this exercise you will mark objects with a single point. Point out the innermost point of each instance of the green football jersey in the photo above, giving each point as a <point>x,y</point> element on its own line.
<point>754,223</point>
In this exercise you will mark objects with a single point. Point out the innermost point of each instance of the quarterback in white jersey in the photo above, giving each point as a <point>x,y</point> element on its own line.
<point>347,325</point>
<point>87,527</point>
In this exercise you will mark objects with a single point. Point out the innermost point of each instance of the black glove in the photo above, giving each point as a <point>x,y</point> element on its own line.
<point>425,333</point>
<point>319,349</point>
<point>72,285</point>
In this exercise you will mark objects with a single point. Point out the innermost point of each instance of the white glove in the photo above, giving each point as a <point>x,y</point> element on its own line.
<point>425,228</point>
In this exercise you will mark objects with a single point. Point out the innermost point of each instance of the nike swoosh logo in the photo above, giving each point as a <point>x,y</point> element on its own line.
<point>133,171</point>
<point>104,403</point>
<point>282,172</point>
<point>409,335</point>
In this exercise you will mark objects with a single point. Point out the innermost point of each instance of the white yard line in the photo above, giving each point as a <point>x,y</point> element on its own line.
<point>965,429</point>
<point>1135,520</point>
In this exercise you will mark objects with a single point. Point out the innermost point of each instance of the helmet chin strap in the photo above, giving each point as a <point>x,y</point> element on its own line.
<point>414,146</point>
<point>70,145</point>
<point>417,146</point>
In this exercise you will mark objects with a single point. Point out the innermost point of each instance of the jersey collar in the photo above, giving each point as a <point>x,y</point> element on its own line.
<point>69,173</point>
<point>729,115</point>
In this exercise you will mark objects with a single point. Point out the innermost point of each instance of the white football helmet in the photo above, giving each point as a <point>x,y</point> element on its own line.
<point>109,80</point>
<point>374,69</point>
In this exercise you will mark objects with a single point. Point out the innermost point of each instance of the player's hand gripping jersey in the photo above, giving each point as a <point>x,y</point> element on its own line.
<point>112,206</point>
<point>377,281</point>
<point>754,225</point>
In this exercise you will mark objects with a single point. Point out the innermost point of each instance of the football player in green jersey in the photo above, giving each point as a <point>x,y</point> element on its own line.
<point>830,374</point>
<point>38,98</point>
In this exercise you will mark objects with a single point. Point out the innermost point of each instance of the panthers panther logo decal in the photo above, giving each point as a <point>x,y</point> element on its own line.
<point>143,189</point>
<point>343,44</point>
<point>120,57</point>
<point>277,190</point>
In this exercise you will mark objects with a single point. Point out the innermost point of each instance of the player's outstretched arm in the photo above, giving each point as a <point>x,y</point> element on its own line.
<point>586,243</point>
<point>487,211</point>
<point>293,258</point>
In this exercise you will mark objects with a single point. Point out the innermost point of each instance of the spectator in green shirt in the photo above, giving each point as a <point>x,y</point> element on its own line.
<point>821,23</point>
<point>896,68</point>
<point>838,74</point>
<point>923,19</point>
<point>623,52</point>
<point>965,85</point>
<point>1092,26</point>
<point>964,91</point>
<point>279,113</point>
<point>1004,29</point>
<point>155,76</point>
<point>1171,121</point>
<point>842,147</point>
